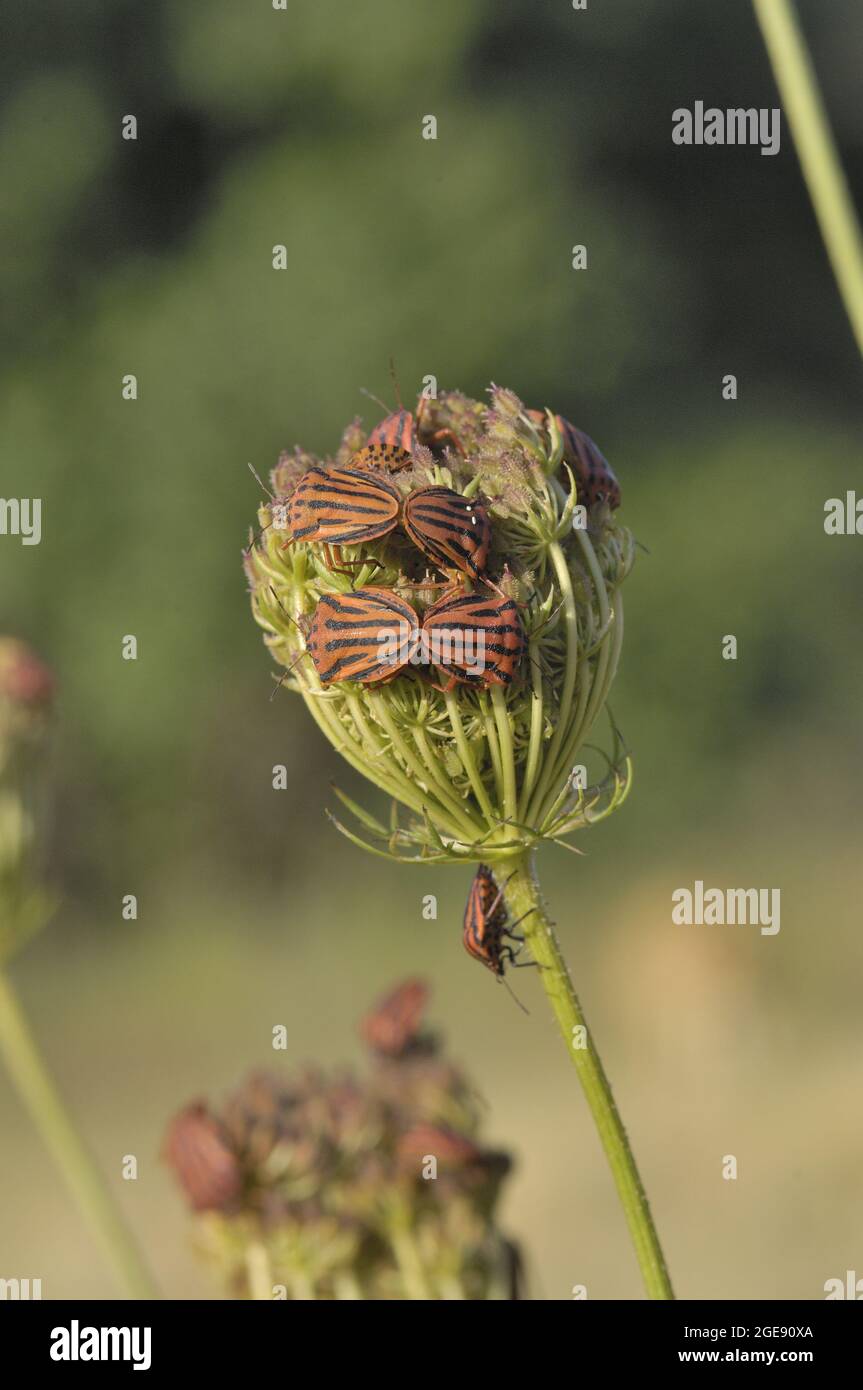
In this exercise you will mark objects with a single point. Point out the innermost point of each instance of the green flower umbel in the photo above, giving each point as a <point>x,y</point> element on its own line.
<point>486,771</point>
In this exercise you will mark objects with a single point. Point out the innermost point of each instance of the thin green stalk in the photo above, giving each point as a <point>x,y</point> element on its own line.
<point>507,752</point>
<point>466,755</point>
<point>564,579</point>
<point>39,1094</point>
<point>493,745</point>
<point>534,748</point>
<point>258,1272</point>
<point>816,150</point>
<point>523,896</point>
<point>437,782</point>
<point>444,803</point>
<point>407,1258</point>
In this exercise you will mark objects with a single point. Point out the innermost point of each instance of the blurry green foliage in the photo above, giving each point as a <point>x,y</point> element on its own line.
<point>302,127</point>
<point>153,257</point>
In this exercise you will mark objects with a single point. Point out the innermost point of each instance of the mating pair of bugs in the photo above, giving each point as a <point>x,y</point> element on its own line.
<point>370,635</point>
<point>356,504</point>
<point>351,506</point>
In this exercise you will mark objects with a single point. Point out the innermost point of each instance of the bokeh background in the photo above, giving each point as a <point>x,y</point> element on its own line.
<point>303,127</point>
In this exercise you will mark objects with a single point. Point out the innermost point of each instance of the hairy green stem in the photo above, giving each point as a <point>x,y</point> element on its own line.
<point>523,896</point>
<point>31,1077</point>
<point>822,171</point>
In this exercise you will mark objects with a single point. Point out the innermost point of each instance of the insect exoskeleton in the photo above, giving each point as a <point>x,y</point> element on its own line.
<point>391,443</point>
<point>366,635</point>
<point>452,530</point>
<point>474,639</point>
<point>199,1149</point>
<point>593,473</point>
<point>341,506</point>
<point>394,1024</point>
<point>487,928</point>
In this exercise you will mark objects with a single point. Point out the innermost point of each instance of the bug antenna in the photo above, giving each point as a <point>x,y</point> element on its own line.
<point>285,612</point>
<point>395,382</point>
<point>384,408</point>
<point>284,676</point>
<point>513,995</point>
<point>261,485</point>
<point>256,537</point>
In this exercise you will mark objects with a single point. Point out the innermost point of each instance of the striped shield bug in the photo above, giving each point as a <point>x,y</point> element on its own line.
<point>593,473</point>
<point>475,639</point>
<point>452,530</point>
<point>365,635</point>
<point>397,431</point>
<point>393,1026</point>
<point>341,506</point>
<point>198,1148</point>
<point>451,1149</point>
<point>390,444</point>
<point>487,928</point>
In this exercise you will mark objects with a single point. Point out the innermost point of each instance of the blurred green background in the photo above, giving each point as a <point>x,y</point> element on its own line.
<point>258,127</point>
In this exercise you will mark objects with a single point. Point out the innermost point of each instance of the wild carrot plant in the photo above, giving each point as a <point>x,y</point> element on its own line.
<point>483,766</point>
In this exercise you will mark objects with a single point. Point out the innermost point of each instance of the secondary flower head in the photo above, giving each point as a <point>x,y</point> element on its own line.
<point>333,1186</point>
<point>480,746</point>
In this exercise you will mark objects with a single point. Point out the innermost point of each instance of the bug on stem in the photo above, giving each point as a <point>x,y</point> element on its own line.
<point>487,928</point>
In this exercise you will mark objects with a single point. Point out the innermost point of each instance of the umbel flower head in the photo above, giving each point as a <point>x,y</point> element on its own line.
<point>26,695</point>
<point>484,767</point>
<point>340,1187</point>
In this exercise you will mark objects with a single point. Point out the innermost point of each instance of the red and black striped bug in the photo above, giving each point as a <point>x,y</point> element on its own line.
<point>365,635</point>
<point>475,639</point>
<point>341,506</point>
<point>391,443</point>
<point>393,1026</point>
<point>593,473</point>
<point>452,530</point>
<point>487,928</point>
<point>199,1150</point>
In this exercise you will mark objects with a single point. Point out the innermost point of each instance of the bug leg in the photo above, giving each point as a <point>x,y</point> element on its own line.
<point>337,564</point>
<point>447,436</point>
<point>444,689</point>
<point>510,929</point>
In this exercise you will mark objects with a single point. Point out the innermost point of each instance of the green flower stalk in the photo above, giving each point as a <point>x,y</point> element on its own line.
<point>26,906</point>
<point>480,774</point>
